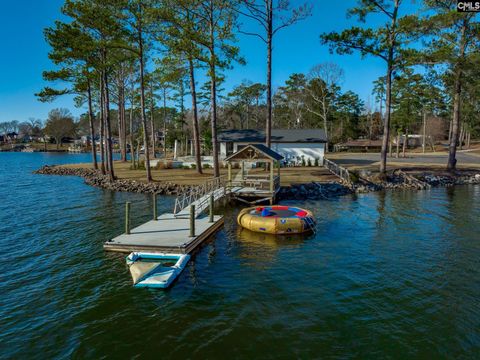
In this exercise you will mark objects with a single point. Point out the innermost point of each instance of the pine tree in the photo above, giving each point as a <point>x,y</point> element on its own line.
<point>387,42</point>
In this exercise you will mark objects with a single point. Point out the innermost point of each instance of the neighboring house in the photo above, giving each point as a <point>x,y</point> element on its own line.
<point>293,144</point>
<point>87,140</point>
<point>414,140</point>
<point>8,137</point>
<point>359,145</point>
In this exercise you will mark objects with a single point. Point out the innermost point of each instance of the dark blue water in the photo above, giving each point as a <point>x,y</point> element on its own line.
<point>388,275</point>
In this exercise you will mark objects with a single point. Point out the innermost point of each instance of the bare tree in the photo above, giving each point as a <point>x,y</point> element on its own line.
<point>324,81</point>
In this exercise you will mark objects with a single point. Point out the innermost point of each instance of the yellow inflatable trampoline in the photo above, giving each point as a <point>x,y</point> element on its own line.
<point>277,220</point>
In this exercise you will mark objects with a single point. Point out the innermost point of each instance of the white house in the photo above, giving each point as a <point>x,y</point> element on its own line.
<point>293,144</point>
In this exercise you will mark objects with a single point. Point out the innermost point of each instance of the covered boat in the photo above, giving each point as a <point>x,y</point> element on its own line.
<point>277,219</point>
<point>156,270</point>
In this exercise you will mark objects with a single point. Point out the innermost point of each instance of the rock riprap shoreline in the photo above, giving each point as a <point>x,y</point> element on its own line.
<point>96,178</point>
<point>314,190</point>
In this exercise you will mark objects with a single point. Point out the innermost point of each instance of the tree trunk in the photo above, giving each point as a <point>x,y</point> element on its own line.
<point>102,130</point>
<point>325,123</point>
<point>132,148</point>
<point>386,124</point>
<point>388,87</point>
<point>164,122</point>
<point>92,125</point>
<point>213,93</point>
<point>142,102</point>
<point>152,123</point>
<point>390,145</point>
<point>462,135</point>
<point>108,127</point>
<point>196,131</point>
<point>398,145</point>
<point>424,131</point>
<point>122,128</point>
<point>269,11</point>
<point>450,131</point>
<point>405,144</point>
<point>452,160</point>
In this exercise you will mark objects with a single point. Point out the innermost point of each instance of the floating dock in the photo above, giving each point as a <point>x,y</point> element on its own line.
<point>168,234</point>
<point>185,229</point>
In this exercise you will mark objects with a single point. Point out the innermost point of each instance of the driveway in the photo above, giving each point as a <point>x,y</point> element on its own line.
<point>365,159</point>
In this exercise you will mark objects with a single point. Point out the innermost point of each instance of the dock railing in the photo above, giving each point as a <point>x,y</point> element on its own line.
<point>337,170</point>
<point>259,182</point>
<point>190,195</point>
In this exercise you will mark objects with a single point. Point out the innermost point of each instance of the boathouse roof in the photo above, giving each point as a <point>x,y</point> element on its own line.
<point>278,136</point>
<point>257,152</point>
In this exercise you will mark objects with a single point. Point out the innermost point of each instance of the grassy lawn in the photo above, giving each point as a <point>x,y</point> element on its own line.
<point>191,177</point>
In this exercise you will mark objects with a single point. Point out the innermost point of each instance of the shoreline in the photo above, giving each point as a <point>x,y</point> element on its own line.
<point>398,180</point>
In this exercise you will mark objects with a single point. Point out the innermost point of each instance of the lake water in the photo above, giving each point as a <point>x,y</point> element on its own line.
<point>388,275</point>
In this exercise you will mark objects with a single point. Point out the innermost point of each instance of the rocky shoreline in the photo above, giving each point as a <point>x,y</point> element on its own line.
<point>397,181</point>
<point>312,191</point>
<point>96,178</point>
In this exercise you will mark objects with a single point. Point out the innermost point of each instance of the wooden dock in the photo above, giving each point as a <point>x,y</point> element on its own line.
<point>168,234</point>
<point>188,226</point>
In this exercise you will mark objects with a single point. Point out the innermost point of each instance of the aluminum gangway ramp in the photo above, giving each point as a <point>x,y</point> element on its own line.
<point>200,197</point>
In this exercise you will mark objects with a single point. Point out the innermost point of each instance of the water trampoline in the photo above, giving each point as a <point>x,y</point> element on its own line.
<point>277,220</point>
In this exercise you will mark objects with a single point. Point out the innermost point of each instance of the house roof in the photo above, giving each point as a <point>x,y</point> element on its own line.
<point>362,143</point>
<point>255,152</point>
<point>278,136</point>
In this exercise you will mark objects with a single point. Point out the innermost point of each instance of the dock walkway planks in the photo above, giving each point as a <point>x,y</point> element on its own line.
<point>168,234</point>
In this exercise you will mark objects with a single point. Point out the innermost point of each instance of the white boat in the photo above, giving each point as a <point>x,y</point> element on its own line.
<point>157,270</point>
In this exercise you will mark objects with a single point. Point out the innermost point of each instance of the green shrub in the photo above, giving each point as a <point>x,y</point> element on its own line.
<point>206,166</point>
<point>309,162</point>
<point>193,166</point>
<point>354,176</point>
<point>316,162</point>
<point>140,165</point>
<point>303,161</point>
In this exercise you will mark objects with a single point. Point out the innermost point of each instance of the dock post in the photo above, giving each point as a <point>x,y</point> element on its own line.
<point>211,208</point>
<point>229,176</point>
<point>192,220</point>
<point>155,215</point>
<point>127,218</point>
<point>271,176</point>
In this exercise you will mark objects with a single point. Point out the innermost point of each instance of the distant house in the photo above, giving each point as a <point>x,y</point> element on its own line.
<point>359,145</point>
<point>293,144</point>
<point>8,137</point>
<point>414,140</point>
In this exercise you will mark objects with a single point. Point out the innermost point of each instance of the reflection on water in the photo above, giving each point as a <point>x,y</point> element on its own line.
<point>254,245</point>
<point>269,240</point>
<point>387,275</point>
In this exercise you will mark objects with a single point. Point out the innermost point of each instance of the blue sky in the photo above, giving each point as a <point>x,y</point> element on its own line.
<point>296,49</point>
